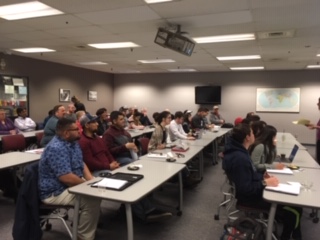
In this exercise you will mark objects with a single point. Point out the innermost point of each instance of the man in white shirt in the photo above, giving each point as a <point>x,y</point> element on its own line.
<point>176,130</point>
<point>22,122</point>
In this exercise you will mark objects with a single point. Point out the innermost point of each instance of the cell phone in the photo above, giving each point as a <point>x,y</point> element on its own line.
<point>171,160</point>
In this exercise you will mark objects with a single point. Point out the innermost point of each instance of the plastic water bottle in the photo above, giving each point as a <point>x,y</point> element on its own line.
<point>283,137</point>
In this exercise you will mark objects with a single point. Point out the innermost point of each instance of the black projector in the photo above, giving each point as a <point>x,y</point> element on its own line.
<point>174,41</point>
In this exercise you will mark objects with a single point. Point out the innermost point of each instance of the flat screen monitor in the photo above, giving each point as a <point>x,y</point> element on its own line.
<point>208,94</point>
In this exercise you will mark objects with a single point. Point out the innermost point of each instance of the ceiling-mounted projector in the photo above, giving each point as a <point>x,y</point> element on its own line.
<point>174,41</point>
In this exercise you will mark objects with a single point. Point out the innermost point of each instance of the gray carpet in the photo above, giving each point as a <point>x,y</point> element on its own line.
<point>196,222</point>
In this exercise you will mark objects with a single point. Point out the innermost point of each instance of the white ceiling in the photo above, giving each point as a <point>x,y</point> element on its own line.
<point>97,21</point>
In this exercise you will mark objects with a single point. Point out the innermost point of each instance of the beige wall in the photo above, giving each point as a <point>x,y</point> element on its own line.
<point>45,79</point>
<point>176,92</point>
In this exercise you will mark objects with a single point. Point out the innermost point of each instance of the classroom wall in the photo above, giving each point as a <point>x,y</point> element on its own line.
<point>46,78</point>
<point>176,92</point>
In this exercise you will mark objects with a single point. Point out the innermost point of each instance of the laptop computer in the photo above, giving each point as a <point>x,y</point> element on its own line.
<point>292,155</point>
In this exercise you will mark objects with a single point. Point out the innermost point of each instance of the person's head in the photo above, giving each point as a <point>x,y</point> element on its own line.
<point>71,108</point>
<point>249,114</point>
<point>123,109</point>
<point>144,111</point>
<point>318,103</point>
<point>22,112</point>
<point>187,117</point>
<point>102,114</point>
<point>242,134</point>
<point>178,117</point>
<point>203,111</point>
<point>155,116</point>
<point>74,99</point>
<point>2,114</point>
<point>67,129</point>
<point>59,111</point>
<point>216,109</point>
<point>89,124</point>
<point>136,116</point>
<point>237,120</point>
<point>257,127</point>
<point>117,119</point>
<point>79,114</point>
<point>164,118</point>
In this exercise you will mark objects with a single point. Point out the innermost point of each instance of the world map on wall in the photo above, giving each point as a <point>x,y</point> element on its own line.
<point>278,99</point>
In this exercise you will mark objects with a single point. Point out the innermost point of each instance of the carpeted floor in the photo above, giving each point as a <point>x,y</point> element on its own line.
<point>196,223</point>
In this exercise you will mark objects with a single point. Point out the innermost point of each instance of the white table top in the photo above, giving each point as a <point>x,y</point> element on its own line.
<point>17,158</point>
<point>155,173</point>
<point>26,134</point>
<point>305,198</point>
<point>188,155</point>
<point>136,132</point>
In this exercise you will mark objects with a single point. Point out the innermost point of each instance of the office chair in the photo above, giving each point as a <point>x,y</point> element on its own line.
<point>31,213</point>
<point>13,143</point>
<point>144,142</point>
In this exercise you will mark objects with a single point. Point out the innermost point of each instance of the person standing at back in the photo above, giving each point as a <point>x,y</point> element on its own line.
<point>50,128</point>
<point>317,127</point>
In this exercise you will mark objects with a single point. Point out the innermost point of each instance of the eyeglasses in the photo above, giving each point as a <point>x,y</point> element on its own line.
<point>73,129</point>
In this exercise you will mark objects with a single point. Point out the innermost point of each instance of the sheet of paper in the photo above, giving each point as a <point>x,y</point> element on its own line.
<point>37,151</point>
<point>302,121</point>
<point>280,171</point>
<point>286,188</point>
<point>110,183</point>
<point>157,155</point>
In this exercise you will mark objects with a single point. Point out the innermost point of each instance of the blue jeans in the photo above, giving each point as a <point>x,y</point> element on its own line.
<point>124,160</point>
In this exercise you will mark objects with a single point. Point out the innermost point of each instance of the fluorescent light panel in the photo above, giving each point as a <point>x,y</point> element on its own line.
<point>27,10</point>
<point>93,63</point>
<point>225,38</point>
<point>247,68</point>
<point>114,45</point>
<point>157,61</point>
<point>33,50</point>
<point>182,70</point>
<point>313,66</point>
<point>230,58</point>
<point>157,1</point>
<point>318,55</point>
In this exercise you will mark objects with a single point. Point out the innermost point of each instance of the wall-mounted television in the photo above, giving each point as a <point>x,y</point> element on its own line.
<point>208,94</point>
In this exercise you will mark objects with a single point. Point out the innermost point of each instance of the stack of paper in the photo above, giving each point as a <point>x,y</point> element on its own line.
<point>157,155</point>
<point>280,171</point>
<point>286,188</point>
<point>110,183</point>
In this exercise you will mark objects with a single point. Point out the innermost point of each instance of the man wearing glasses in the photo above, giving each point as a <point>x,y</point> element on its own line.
<point>61,166</point>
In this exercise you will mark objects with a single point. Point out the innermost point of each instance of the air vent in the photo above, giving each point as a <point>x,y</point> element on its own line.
<point>276,34</point>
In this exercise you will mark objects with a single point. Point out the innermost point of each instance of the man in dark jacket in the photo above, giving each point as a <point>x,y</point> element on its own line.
<point>250,184</point>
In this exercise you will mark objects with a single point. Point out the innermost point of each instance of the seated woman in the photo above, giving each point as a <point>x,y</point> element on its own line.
<point>6,125</point>
<point>186,125</point>
<point>159,136</point>
<point>263,151</point>
<point>136,124</point>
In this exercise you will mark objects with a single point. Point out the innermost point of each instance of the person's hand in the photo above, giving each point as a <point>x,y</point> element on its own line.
<point>130,145</point>
<point>266,175</point>
<point>13,132</point>
<point>114,165</point>
<point>161,146</point>
<point>280,166</point>
<point>272,181</point>
<point>311,126</point>
<point>191,138</point>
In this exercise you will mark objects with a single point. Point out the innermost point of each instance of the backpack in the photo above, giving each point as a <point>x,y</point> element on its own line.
<point>243,228</point>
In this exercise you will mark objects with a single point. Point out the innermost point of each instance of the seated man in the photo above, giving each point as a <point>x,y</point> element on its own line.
<point>119,141</point>
<point>22,122</point>
<point>50,128</point>
<point>176,130</point>
<point>144,119</point>
<point>197,121</point>
<point>215,117</point>
<point>71,113</point>
<point>102,120</point>
<point>250,184</point>
<point>61,166</point>
<point>99,160</point>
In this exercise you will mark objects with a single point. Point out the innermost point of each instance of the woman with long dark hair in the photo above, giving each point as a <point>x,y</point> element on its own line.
<point>159,136</point>
<point>263,152</point>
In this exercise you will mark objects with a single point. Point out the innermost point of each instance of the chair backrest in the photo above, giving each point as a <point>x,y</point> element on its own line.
<point>13,143</point>
<point>39,136</point>
<point>144,141</point>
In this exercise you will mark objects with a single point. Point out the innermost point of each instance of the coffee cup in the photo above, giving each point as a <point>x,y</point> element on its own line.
<point>282,156</point>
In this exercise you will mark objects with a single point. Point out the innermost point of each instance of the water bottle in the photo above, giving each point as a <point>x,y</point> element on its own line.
<point>283,138</point>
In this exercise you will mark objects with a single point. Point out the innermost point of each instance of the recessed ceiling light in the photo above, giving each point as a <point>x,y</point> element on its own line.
<point>33,50</point>
<point>182,70</point>
<point>230,58</point>
<point>157,1</point>
<point>113,45</point>
<point>157,61</point>
<point>318,55</point>
<point>27,10</point>
<point>247,68</point>
<point>313,66</point>
<point>93,63</point>
<point>225,38</point>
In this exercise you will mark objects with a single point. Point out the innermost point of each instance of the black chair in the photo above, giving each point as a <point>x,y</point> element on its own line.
<point>31,213</point>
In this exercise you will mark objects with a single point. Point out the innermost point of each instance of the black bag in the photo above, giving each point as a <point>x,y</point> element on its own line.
<point>243,228</point>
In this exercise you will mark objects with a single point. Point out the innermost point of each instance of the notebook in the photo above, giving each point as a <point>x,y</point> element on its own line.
<point>293,189</point>
<point>292,155</point>
<point>118,181</point>
<point>280,171</point>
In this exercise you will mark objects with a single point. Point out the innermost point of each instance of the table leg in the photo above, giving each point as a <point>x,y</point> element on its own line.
<point>200,164</point>
<point>180,194</point>
<point>129,221</point>
<point>76,218</point>
<point>272,214</point>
